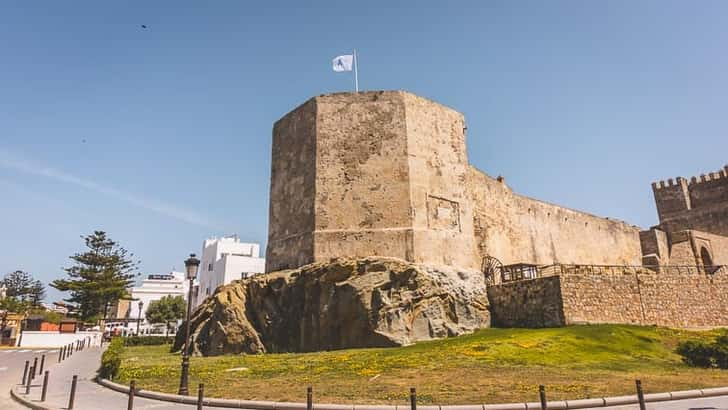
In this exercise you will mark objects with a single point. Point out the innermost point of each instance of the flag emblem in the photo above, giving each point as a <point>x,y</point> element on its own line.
<point>343,63</point>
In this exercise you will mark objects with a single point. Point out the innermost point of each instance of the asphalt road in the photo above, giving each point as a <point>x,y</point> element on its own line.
<point>12,362</point>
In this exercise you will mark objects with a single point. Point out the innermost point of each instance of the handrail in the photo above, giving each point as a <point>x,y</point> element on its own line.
<point>518,273</point>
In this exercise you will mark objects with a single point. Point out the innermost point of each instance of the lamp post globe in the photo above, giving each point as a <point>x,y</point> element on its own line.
<point>191,266</point>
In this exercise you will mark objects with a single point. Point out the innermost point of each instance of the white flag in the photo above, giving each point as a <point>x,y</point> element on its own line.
<point>343,63</point>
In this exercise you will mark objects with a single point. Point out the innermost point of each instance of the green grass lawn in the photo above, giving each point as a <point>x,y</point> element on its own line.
<point>489,366</point>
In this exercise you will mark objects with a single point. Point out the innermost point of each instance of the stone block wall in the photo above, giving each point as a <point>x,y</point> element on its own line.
<point>529,303</point>
<point>673,300</point>
<point>601,299</point>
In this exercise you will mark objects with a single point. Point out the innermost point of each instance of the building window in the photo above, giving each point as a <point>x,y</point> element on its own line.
<point>209,267</point>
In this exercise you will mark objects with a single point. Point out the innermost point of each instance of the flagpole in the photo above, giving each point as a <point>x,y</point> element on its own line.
<point>356,73</point>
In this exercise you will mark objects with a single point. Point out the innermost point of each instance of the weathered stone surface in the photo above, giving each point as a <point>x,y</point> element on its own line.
<point>343,303</point>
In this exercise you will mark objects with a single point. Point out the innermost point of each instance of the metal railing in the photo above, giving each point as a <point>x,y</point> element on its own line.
<point>520,272</point>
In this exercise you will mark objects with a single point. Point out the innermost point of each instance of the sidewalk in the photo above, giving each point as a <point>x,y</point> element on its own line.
<point>89,395</point>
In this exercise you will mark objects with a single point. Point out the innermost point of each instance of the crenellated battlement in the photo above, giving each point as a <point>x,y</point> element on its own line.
<point>711,176</point>
<point>700,203</point>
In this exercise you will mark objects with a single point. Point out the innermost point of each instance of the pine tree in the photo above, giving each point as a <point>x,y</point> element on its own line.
<point>99,276</point>
<point>36,293</point>
<point>18,284</point>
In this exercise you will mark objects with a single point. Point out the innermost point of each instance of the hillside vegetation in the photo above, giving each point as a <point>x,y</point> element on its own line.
<point>489,366</point>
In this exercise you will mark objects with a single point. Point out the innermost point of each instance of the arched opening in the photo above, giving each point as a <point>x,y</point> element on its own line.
<point>706,259</point>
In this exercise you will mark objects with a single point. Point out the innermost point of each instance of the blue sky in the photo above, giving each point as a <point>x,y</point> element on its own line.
<point>161,136</point>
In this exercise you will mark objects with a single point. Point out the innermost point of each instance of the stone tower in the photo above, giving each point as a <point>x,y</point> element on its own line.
<point>370,173</point>
<point>700,204</point>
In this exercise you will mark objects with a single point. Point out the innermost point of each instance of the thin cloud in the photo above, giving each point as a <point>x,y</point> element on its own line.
<point>37,169</point>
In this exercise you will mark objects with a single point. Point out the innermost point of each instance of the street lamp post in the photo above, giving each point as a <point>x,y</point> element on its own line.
<point>191,265</point>
<point>139,316</point>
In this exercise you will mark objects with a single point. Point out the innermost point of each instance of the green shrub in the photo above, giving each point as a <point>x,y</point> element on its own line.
<point>111,359</point>
<point>696,353</point>
<point>146,340</point>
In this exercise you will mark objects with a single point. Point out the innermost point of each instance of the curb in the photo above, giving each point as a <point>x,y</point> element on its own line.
<point>554,405</point>
<point>25,402</point>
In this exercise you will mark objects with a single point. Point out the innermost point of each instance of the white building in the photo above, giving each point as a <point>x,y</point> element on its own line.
<point>154,287</point>
<point>224,260</point>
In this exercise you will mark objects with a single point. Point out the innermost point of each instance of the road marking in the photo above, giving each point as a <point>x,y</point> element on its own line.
<point>23,351</point>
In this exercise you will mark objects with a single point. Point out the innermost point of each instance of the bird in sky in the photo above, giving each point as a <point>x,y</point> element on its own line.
<point>144,26</point>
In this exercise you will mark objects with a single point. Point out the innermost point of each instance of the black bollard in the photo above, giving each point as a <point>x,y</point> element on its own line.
<point>25,372</point>
<point>59,355</point>
<point>542,396</point>
<point>309,398</point>
<point>27,384</point>
<point>640,394</point>
<point>130,403</point>
<point>45,386</point>
<point>42,363</point>
<point>200,395</point>
<point>72,398</point>
<point>62,353</point>
<point>35,368</point>
<point>413,398</point>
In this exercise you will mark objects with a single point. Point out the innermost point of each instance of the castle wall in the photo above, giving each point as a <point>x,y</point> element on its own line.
<point>292,189</point>
<point>601,299</point>
<point>529,303</point>
<point>654,242</point>
<point>682,251</point>
<point>386,174</point>
<point>363,178</point>
<point>674,300</point>
<point>438,168</point>
<point>514,228</point>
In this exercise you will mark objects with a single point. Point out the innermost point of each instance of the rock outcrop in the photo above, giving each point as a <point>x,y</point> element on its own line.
<point>373,302</point>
